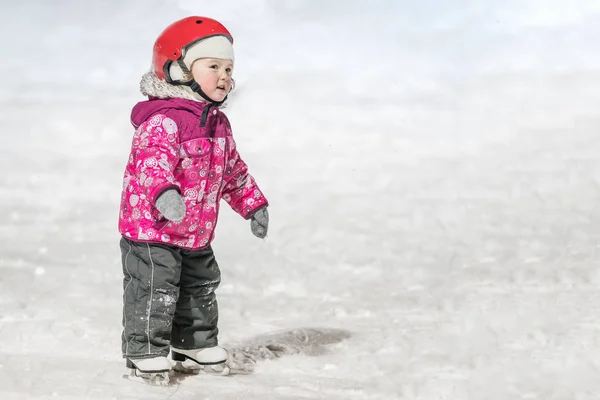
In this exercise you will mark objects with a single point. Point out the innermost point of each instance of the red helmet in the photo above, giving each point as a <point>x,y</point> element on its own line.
<point>173,42</point>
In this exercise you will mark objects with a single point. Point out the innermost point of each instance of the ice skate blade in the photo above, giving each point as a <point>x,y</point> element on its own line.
<point>193,368</point>
<point>150,378</point>
<point>189,365</point>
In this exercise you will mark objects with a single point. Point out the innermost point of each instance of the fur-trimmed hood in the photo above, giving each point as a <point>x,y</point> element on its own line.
<point>152,86</point>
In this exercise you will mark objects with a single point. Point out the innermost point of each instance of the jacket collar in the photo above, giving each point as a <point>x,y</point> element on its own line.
<point>152,86</point>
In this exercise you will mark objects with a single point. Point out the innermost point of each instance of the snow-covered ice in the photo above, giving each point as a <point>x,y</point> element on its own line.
<point>433,174</point>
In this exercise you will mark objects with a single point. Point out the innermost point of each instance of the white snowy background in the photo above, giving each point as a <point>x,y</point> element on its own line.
<point>433,170</point>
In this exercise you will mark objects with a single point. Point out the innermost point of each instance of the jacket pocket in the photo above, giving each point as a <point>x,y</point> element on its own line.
<point>196,148</point>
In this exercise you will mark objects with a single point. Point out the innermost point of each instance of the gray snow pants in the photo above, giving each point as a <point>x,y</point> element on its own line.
<point>168,299</point>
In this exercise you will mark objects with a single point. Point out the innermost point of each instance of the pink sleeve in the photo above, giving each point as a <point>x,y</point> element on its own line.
<point>241,191</point>
<point>155,151</point>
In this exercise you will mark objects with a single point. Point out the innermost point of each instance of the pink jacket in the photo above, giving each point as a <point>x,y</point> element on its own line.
<point>185,145</point>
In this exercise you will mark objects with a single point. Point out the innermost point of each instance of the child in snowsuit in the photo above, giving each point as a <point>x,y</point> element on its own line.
<point>183,161</point>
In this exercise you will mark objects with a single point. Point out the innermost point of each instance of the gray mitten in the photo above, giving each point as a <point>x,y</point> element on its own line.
<point>171,205</point>
<point>259,223</point>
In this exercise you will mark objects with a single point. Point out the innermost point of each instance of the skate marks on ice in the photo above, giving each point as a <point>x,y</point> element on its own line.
<point>306,341</point>
<point>244,357</point>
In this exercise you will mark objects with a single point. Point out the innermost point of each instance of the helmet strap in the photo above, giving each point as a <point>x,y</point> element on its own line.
<point>196,88</point>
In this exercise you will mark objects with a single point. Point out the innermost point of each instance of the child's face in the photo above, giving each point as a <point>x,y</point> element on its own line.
<point>214,76</point>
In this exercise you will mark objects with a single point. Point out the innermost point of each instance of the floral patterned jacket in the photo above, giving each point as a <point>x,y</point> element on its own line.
<point>185,145</point>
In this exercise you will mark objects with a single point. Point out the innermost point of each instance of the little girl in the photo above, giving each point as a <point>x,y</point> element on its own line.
<point>183,160</point>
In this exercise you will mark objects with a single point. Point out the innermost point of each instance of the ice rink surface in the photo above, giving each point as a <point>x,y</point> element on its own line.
<point>433,171</point>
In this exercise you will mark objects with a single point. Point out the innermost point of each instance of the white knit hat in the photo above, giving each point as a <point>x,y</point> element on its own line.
<point>212,47</point>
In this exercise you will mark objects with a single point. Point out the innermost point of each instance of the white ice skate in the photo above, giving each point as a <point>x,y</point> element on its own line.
<point>210,360</point>
<point>154,371</point>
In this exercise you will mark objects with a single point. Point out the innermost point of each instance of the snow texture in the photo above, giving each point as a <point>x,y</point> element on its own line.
<point>433,174</point>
